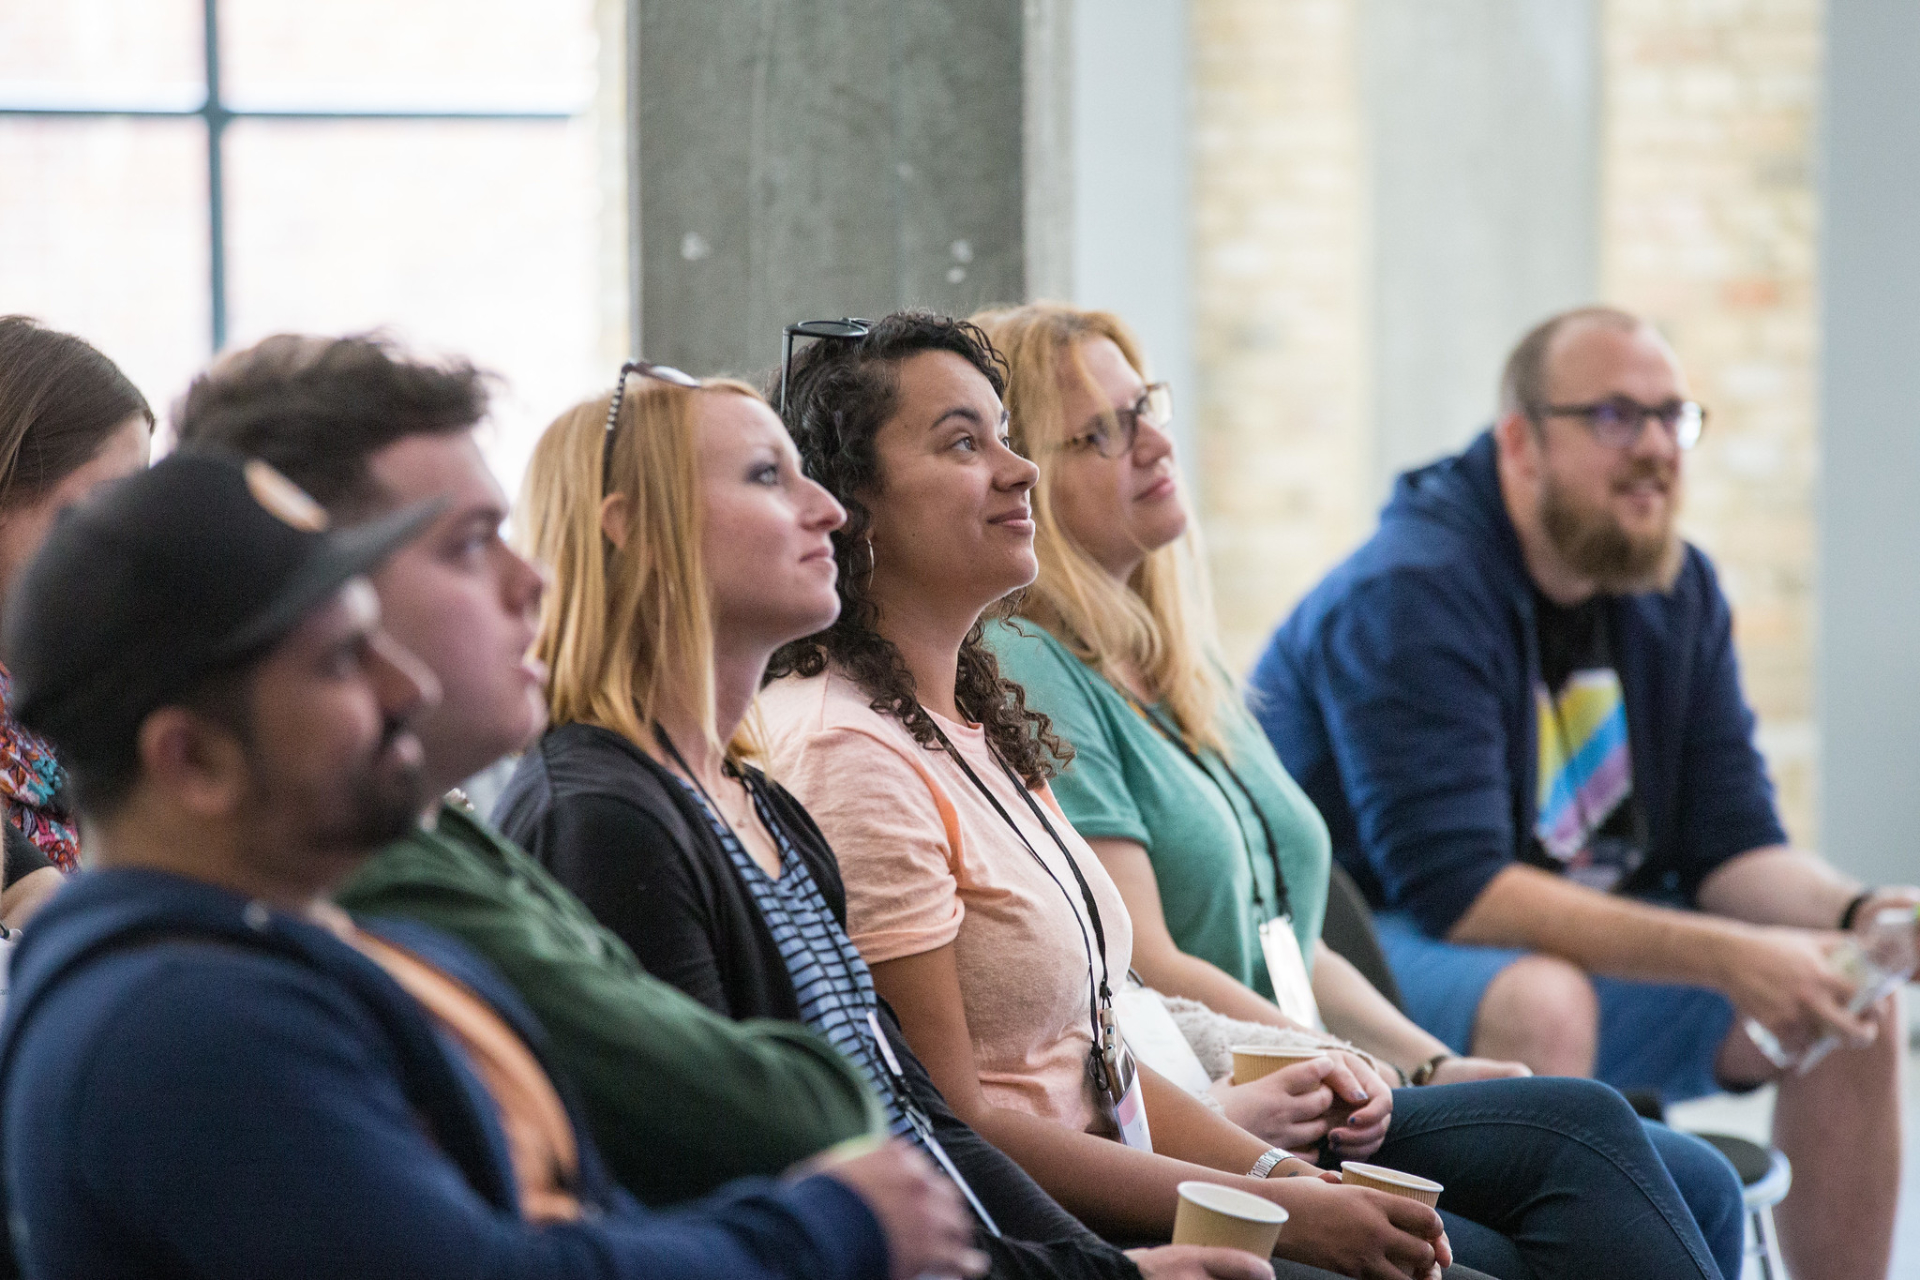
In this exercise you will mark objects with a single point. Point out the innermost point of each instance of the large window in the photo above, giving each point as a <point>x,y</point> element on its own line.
<point>177,176</point>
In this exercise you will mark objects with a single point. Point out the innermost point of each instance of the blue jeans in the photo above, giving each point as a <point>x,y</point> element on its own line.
<point>1551,1177</point>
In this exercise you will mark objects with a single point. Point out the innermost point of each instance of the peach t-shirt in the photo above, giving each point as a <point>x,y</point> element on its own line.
<point>927,861</point>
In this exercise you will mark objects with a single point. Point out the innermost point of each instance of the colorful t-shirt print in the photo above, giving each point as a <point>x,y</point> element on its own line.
<point>1587,825</point>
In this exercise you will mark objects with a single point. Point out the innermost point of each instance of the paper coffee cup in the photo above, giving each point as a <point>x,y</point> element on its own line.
<point>1210,1214</point>
<point>1410,1186</point>
<point>1251,1061</point>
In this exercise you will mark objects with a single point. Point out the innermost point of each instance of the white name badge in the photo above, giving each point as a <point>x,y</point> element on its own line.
<point>1287,970</point>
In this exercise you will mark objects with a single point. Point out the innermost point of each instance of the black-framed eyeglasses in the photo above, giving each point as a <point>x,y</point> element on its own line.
<point>1618,420</point>
<point>845,329</point>
<point>645,369</point>
<point>1114,432</point>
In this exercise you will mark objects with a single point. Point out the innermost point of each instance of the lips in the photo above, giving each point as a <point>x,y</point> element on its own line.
<point>1161,488</point>
<point>1019,520</point>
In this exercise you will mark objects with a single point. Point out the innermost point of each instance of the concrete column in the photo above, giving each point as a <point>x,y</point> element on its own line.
<point>807,158</point>
<point>1869,695</point>
<point>1484,168</point>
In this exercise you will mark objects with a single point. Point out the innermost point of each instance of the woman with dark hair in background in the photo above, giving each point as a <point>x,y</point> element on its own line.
<point>69,420</point>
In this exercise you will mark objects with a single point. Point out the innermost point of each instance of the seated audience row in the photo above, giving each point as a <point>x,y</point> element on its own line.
<point>991,821</point>
<point>211,1070</point>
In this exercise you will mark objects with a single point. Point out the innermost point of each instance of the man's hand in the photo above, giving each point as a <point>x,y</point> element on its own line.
<point>1783,979</point>
<point>1294,1107</point>
<point>1195,1262</point>
<point>1463,1070</point>
<point>1359,1232</point>
<point>928,1230</point>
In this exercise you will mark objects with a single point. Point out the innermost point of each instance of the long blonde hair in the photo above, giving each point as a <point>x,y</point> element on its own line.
<point>1159,625</point>
<point>623,623</point>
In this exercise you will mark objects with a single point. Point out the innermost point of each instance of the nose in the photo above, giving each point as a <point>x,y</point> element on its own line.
<point>823,512</point>
<point>522,583</point>
<point>406,685</point>
<point>1151,442</point>
<point>1016,472</point>
<point>1656,439</point>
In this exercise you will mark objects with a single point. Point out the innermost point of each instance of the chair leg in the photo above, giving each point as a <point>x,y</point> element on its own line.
<point>1766,1244</point>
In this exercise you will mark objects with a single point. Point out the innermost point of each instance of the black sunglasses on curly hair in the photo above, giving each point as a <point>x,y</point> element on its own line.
<point>846,329</point>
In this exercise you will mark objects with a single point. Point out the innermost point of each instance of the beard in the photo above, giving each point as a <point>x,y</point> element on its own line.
<point>1596,545</point>
<point>376,802</point>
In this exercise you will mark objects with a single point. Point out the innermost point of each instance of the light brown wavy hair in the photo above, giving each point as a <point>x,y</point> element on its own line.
<point>1159,624</point>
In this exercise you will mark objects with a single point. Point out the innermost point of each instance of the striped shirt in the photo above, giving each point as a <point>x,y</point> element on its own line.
<point>831,982</point>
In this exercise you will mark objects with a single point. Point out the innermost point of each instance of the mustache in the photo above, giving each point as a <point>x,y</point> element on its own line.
<point>1658,469</point>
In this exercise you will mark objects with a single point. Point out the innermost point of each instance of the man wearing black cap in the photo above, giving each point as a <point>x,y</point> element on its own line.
<point>208,1070</point>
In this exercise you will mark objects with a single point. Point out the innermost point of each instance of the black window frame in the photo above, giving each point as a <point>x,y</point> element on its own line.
<point>217,115</point>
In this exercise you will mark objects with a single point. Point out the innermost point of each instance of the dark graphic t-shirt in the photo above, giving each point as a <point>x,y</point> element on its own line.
<point>1589,826</point>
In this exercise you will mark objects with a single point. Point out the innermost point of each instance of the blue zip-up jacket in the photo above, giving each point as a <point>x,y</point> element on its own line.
<point>1399,695</point>
<point>194,1086</point>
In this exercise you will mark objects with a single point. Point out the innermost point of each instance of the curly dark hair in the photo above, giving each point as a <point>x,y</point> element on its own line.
<point>839,394</point>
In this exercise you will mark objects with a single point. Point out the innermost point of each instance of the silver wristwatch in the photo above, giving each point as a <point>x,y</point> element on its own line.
<point>1263,1167</point>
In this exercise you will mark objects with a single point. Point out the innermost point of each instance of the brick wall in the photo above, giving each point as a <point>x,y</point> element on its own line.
<point>1708,209</point>
<point>1283,439</point>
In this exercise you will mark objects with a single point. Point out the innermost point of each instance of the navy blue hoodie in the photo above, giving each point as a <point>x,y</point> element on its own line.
<point>1399,695</point>
<point>194,1086</point>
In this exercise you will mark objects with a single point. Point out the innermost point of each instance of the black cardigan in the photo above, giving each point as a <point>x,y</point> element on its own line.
<point>613,826</point>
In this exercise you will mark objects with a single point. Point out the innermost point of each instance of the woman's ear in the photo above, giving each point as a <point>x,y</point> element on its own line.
<point>613,519</point>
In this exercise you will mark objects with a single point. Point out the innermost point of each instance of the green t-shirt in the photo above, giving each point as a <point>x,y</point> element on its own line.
<point>679,1098</point>
<point>1206,842</point>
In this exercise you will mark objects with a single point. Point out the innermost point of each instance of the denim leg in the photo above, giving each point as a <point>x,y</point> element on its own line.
<point>1710,1187</point>
<point>1561,1167</point>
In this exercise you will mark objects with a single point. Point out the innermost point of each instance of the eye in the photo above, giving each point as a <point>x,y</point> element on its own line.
<point>766,473</point>
<point>966,442</point>
<point>1611,413</point>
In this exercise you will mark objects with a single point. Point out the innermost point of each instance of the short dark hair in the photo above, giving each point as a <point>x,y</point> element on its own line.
<point>60,401</point>
<point>102,776</point>
<point>316,409</point>
<point>839,394</point>
<point>1523,382</point>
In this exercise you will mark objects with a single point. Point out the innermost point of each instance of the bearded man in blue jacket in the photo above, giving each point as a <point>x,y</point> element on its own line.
<point>1519,709</point>
<point>207,1069</point>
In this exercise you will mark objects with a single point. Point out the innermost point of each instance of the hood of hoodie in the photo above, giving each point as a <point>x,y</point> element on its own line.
<point>108,911</point>
<point>1457,500</point>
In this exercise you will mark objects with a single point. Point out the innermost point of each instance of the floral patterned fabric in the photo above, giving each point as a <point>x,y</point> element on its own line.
<point>31,783</point>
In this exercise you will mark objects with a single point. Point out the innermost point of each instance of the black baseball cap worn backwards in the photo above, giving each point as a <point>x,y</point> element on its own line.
<point>194,566</point>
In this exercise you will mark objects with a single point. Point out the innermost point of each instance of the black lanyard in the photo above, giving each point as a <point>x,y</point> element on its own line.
<point>895,1078</point>
<point>1283,901</point>
<point>1099,993</point>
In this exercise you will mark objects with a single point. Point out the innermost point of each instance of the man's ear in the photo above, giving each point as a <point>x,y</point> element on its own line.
<point>1517,439</point>
<point>613,519</point>
<point>197,762</point>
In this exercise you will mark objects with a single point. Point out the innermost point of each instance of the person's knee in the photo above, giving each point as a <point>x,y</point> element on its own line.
<point>1542,1011</point>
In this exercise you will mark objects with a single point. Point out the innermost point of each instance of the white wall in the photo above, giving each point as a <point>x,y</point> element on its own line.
<point>1483,132</point>
<point>1870,442</point>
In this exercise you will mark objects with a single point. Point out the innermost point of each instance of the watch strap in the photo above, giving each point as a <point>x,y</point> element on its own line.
<point>1265,1165</point>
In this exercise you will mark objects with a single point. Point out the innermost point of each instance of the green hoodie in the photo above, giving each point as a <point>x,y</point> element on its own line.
<point>679,1098</point>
